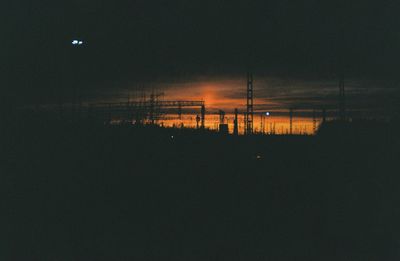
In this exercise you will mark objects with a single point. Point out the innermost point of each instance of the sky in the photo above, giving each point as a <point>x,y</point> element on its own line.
<point>300,46</point>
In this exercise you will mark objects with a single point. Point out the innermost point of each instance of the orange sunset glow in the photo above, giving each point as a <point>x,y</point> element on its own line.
<point>270,125</point>
<point>226,95</point>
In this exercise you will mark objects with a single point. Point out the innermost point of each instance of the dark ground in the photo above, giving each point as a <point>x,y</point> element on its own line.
<point>123,193</point>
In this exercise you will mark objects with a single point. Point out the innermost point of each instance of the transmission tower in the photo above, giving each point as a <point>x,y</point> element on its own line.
<point>249,112</point>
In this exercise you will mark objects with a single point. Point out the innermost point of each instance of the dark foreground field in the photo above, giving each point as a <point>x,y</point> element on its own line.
<point>123,193</point>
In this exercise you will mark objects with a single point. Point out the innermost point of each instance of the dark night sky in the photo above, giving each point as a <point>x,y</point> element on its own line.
<point>128,41</point>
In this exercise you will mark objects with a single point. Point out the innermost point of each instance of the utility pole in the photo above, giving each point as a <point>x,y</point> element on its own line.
<point>291,121</point>
<point>235,123</point>
<point>263,128</point>
<point>152,104</point>
<point>314,121</point>
<point>244,124</point>
<point>180,111</point>
<point>197,121</point>
<point>221,117</point>
<point>203,115</point>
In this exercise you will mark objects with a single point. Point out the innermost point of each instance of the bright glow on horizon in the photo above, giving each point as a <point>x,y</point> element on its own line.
<point>273,125</point>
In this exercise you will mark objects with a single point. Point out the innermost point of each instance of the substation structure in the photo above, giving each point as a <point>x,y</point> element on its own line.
<point>141,112</point>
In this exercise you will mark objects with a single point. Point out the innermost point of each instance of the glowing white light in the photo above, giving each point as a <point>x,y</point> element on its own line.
<point>77,42</point>
<point>172,137</point>
<point>267,113</point>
